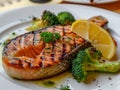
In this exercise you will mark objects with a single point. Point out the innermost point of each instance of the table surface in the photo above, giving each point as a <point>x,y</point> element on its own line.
<point>113,6</point>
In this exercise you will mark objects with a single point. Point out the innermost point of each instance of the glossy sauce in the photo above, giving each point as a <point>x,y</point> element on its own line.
<point>57,80</point>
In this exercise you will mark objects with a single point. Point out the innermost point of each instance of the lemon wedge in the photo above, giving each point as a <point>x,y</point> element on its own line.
<point>98,36</point>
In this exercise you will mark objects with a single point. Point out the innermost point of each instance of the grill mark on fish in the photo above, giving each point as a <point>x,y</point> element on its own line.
<point>14,48</point>
<point>29,39</point>
<point>11,49</point>
<point>49,56</point>
<point>59,29</point>
<point>58,46</point>
<point>53,54</point>
<point>67,28</point>
<point>58,51</point>
<point>49,29</point>
<point>33,38</point>
<point>22,42</point>
<point>36,38</point>
<point>48,51</point>
<point>17,43</point>
<point>33,56</point>
<point>64,46</point>
<point>34,33</point>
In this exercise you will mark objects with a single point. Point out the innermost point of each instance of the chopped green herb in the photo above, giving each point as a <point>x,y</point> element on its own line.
<point>13,33</point>
<point>5,42</point>
<point>48,48</point>
<point>49,83</point>
<point>34,18</point>
<point>67,41</point>
<point>56,36</point>
<point>77,36</point>
<point>57,46</point>
<point>64,87</point>
<point>69,38</point>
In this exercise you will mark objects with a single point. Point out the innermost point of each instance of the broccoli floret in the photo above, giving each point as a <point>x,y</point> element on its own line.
<point>65,18</point>
<point>49,37</point>
<point>50,18</point>
<point>88,60</point>
<point>47,19</point>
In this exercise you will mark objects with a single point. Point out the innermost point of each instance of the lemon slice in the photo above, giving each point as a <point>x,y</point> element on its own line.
<point>98,36</point>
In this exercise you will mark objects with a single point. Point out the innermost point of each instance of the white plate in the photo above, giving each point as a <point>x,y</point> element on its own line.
<point>5,5</point>
<point>95,1</point>
<point>17,20</point>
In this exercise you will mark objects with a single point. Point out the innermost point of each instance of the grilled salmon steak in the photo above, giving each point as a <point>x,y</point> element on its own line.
<point>28,57</point>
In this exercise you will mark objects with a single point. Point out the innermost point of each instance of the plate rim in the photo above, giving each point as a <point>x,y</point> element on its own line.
<point>91,3</point>
<point>58,5</point>
<point>85,6</point>
<point>64,5</point>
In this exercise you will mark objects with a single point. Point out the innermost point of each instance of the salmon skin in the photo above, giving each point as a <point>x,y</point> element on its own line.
<point>28,57</point>
<point>99,20</point>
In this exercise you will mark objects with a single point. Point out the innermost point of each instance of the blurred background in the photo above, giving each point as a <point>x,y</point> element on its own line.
<point>113,5</point>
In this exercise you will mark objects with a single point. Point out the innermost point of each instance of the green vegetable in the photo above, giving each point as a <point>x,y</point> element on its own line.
<point>56,36</point>
<point>37,24</point>
<point>13,33</point>
<point>88,60</point>
<point>47,19</point>
<point>64,87</point>
<point>6,42</point>
<point>47,36</point>
<point>49,83</point>
<point>50,18</point>
<point>50,37</point>
<point>65,18</point>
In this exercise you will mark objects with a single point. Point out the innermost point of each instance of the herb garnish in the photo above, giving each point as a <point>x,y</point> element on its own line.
<point>64,87</point>
<point>13,33</point>
<point>49,37</point>
<point>49,83</point>
<point>0,43</point>
<point>56,36</point>
<point>6,42</point>
<point>48,48</point>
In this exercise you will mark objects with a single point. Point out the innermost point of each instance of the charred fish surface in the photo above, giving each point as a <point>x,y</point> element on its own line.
<point>99,20</point>
<point>28,57</point>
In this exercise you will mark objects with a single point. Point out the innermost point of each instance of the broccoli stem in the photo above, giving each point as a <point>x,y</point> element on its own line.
<point>104,67</point>
<point>88,60</point>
